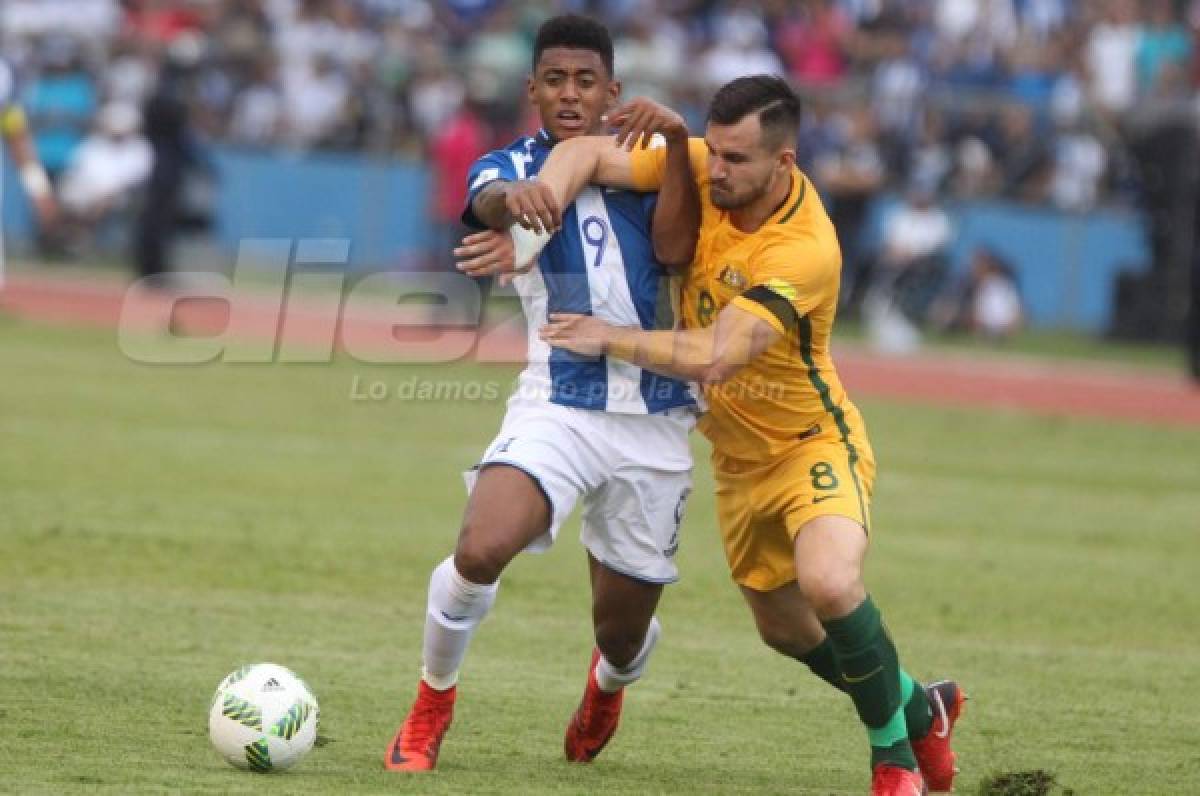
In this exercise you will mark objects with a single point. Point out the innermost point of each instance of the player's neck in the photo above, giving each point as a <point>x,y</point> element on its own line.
<point>748,219</point>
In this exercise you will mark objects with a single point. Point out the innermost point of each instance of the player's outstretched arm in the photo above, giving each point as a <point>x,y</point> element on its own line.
<point>578,161</point>
<point>711,355</point>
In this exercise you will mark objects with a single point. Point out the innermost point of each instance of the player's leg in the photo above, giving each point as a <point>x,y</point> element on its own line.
<point>623,618</point>
<point>505,512</point>
<point>823,495</point>
<point>829,553</point>
<point>626,632</point>
<point>631,531</point>
<point>528,482</point>
<point>787,624</point>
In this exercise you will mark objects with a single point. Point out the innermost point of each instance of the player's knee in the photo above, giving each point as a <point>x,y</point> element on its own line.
<point>479,559</point>
<point>832,591</point>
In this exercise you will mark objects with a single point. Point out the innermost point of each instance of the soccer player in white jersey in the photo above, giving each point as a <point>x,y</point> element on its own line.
<point>15,137</point>
<point>590,430</point>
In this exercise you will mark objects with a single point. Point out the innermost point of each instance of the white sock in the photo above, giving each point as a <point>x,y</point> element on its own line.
<point>612,679</point>
<point>456,607</point>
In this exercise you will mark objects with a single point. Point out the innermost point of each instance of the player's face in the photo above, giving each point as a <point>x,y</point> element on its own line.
<point>572,91</point>
<point>741,168</point>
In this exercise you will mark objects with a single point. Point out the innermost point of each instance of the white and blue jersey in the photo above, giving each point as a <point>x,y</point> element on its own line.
<point>600,263</point>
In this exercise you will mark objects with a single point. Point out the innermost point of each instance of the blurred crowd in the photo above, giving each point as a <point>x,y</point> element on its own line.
<point>1043,101</point>
<point>1028,99</point>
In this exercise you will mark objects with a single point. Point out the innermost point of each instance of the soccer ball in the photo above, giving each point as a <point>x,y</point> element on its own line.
<point>263,718</point>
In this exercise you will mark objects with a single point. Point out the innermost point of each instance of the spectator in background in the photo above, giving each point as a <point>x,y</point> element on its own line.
<point>435,93</point>
<point>1111,55</point>
<point>650,56</point>
<point>1164,50</point>
<point>316,103</point>
<point>105,171</point>
<point>1080,162</point>
<point>908,273</point>
<point>176,153</point>
<point>161,21</point>
<point>257,119</point>
<point>813,40</point>
<point>499,50</point>
<point>740,48</point>
<point>454,149</point>
<point>850,173</point>
<point>1022,154</point>
<point>60,104</point>
<point>16,140</point>
<point>986,302</point>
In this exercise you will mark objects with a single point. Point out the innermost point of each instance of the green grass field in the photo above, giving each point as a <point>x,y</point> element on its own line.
<point>161,525</point>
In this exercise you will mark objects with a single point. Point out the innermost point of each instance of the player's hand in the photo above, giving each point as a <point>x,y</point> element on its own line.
<point>487,253</point>
<point>639,119</point>
<point>585,335</point>
<point>532,205</point>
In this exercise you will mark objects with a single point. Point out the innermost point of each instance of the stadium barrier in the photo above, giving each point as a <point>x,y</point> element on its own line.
<point>1067,264</point>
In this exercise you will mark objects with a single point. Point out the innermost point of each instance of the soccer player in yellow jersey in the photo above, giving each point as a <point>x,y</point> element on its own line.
<point>793,466</point>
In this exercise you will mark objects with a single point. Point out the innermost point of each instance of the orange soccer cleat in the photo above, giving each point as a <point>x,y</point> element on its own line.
<point>933,752</point>
<point>594,721</point>
<point>415,747</point>
<point>890,780</point>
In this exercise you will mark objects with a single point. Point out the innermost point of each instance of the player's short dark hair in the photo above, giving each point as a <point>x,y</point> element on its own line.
<point>577,33</point>
<point>771,97</point>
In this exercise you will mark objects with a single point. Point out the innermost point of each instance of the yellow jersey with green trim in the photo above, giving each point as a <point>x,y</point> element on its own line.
<point>787,273</point>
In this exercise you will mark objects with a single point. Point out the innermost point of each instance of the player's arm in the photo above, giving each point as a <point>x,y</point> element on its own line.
<point>711,355</point>
<point>496,197</point>
<point>676,223</point>
<point>574,163</point>
<point>15,130</point>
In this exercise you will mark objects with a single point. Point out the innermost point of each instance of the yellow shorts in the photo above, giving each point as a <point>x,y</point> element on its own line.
<point>762,506</point>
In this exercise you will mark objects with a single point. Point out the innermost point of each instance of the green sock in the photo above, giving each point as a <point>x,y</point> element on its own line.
<point>870,673</point>
<point>823,663</point>
<point>918,715</point>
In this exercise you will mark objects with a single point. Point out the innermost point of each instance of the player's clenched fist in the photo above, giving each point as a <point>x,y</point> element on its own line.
<point>640,119</point>
<point>532,205</point>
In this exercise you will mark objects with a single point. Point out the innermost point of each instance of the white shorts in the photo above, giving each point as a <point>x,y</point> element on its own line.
<point>633,472</point>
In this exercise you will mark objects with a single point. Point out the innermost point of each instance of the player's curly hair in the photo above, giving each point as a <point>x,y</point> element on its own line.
<point>771,97</point>
<point>575,32</point>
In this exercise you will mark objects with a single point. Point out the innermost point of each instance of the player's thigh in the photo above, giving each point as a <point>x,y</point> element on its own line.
<point>506,511</point>
<point>526,484</point>
<point>631,524</point>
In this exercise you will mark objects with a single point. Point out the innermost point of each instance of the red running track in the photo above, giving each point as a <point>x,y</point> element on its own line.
<point>1061,388</point>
